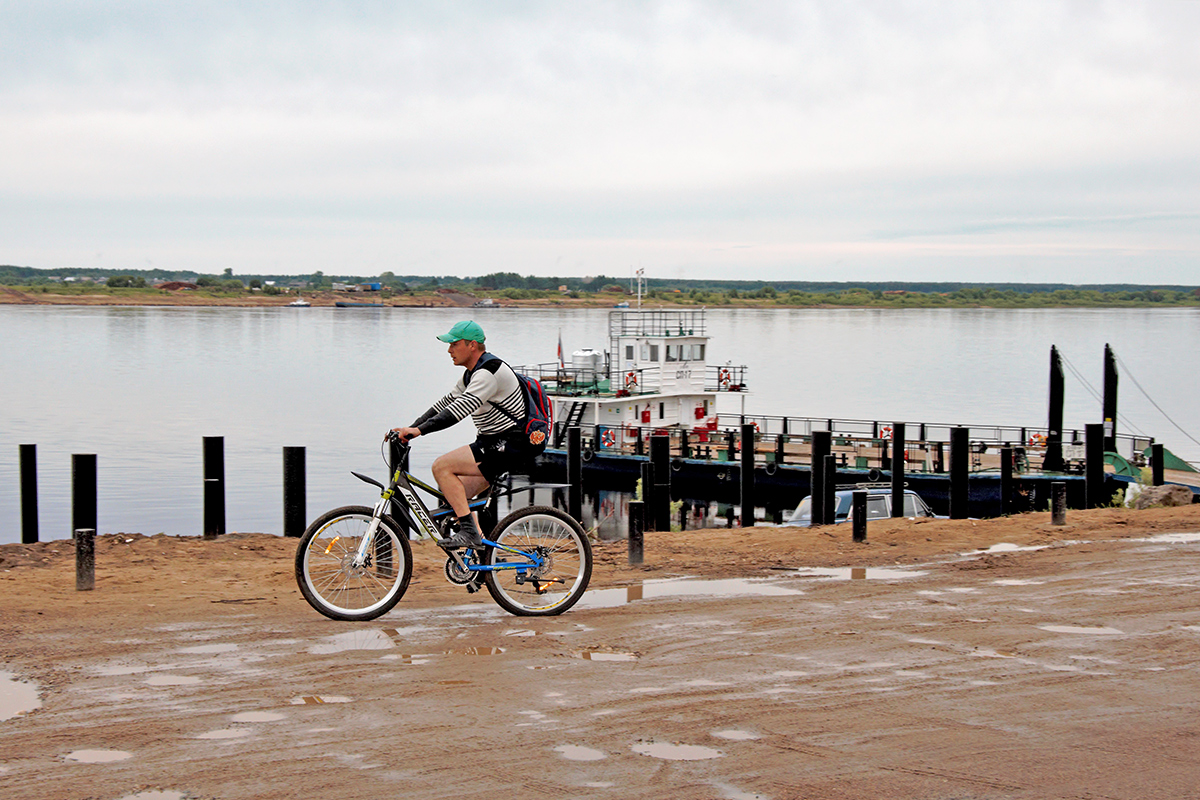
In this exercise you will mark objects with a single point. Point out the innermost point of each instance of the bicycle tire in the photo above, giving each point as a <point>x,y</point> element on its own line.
<point>560,538</point>
<point>335,589</point>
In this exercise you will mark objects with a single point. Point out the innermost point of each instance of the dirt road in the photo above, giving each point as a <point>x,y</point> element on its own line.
<point>946,659</point>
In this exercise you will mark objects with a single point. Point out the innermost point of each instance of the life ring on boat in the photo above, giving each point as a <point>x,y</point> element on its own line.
<point>724,378</point>
<point>630,379</point>
<point>885,432</point>
<point>1037,440</point>
<point>608,438</point>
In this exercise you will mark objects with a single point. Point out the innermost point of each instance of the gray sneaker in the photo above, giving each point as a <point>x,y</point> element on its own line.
<point>466,534</point>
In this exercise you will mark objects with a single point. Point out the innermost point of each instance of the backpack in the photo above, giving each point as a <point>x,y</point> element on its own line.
<point>539,410</point>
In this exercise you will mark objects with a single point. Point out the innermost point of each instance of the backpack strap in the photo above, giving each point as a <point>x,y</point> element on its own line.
<point>492,363</point>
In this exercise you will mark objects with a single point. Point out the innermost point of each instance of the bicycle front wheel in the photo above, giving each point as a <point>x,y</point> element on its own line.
<point>563,574</point>
<point>330,580</point>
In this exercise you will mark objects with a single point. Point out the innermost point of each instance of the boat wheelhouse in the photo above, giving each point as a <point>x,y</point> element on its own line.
<point>655,375</point>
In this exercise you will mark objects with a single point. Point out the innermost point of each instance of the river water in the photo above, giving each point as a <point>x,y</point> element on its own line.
<point>140,387</point>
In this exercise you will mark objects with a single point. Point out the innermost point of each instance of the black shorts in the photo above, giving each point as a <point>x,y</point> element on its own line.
<point>499,453</point>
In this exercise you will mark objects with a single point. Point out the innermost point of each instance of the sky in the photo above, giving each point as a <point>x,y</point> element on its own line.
<point>1043,141</point>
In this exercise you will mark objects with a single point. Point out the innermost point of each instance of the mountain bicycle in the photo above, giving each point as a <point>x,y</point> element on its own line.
<point>354,563</point>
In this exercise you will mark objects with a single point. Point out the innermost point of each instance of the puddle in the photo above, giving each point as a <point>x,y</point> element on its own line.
<point>1081,629</point>
<point>685,587</point>
<point>736,735</point>
<point>155,795</point>
<point>97,756</point>
<point>408,659</point>
<point>225,733</point>
<point>574,752</point>
<point>172,680</point>
<point>210,648</point>
<point>595,656</point>
<point>17,697</point>
<point>1017,582</point>
<point>676,752</point>
<point>316,700</point>
<point>1172,538</point>
<point>1005,547</point>
<point>858,573</point>
<point>366,639</point>
<point>476,651</point>
<point>258,716</point>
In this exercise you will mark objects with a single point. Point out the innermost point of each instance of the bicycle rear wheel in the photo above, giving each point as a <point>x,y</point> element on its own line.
<point>551,588</point>
<point>328,578</point>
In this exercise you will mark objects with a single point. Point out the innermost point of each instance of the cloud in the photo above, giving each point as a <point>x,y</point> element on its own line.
<point>502,134</point>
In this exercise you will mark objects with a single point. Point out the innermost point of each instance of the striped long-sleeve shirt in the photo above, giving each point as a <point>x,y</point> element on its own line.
<point>478,392</point>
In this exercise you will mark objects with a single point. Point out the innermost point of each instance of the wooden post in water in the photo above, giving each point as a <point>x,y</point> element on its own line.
<point>214,486</point>
<point>1156,464</point>
<point>637,518</point>
<point>960,467</point>
<point>1058,503</point>
<point>660,458</point>
<point>858,510</point>
<point>29,492</point>
<point>85,559</point>
<point>1110,400</point>
<point>747,476</point>
<point>1093,443</point>
<point>295,491</point>
<point>899,447</point>
<point>822,444</point>
<point>1053,461</point>
<point>83,492</point>
<point>575,472</point>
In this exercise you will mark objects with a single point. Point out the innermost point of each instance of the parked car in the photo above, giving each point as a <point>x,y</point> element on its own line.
<point>879,506</point>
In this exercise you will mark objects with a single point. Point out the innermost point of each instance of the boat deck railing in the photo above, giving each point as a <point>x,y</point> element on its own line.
<point>570,381</point>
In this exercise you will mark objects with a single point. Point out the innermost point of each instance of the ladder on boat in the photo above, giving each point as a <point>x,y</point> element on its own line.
<point>574,415</point>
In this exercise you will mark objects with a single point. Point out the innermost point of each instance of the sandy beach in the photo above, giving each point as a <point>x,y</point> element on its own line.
<point>940,659</point>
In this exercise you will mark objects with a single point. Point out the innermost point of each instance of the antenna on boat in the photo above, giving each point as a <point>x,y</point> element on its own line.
<point>640,278</point>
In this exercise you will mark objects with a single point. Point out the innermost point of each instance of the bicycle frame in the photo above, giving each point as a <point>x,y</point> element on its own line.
<point>417,517</point>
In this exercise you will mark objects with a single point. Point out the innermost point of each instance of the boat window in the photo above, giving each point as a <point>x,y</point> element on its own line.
<point>662,410</point>
<point>673,352</point>
<point>654,352</point>
<point>697,352</point>
<point>629,352</point>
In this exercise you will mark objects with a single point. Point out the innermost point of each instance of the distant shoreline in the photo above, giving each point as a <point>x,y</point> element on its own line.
<point>317,299</point>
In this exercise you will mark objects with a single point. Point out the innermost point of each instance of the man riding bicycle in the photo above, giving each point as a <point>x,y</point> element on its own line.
<point>490,393</point>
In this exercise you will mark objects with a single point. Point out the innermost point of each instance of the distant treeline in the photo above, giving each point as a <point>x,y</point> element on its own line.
<point>707,291</point>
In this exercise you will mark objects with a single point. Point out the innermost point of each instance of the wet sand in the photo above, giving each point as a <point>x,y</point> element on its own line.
<point>942,659</point>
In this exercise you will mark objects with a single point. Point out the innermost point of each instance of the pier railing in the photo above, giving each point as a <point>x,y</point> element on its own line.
<point>571,381</point>
<point>857,443</point>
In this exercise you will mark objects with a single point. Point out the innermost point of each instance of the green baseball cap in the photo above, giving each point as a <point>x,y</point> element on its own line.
<point>467,329</point>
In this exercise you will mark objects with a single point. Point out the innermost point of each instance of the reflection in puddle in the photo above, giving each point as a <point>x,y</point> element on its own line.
<point>97,756</point>
<point>155,795</point>
<point>676,752</point>
<point>685,587</point>
<point>589,655</point>
<point>476,651</point>
<point>858,573</point>
<point>257,716</point>
<point>363,639</point>
<point>574,752</point>
<point>226,733</point>
<point>1017,582</point>
<point>1005,547</point>
<point>316,700</point>
<point>17,697</point>
<point>1080,629</point>
<point>172,680</point>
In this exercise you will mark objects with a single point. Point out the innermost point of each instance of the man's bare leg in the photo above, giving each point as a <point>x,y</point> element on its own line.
<point>459,478</point>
